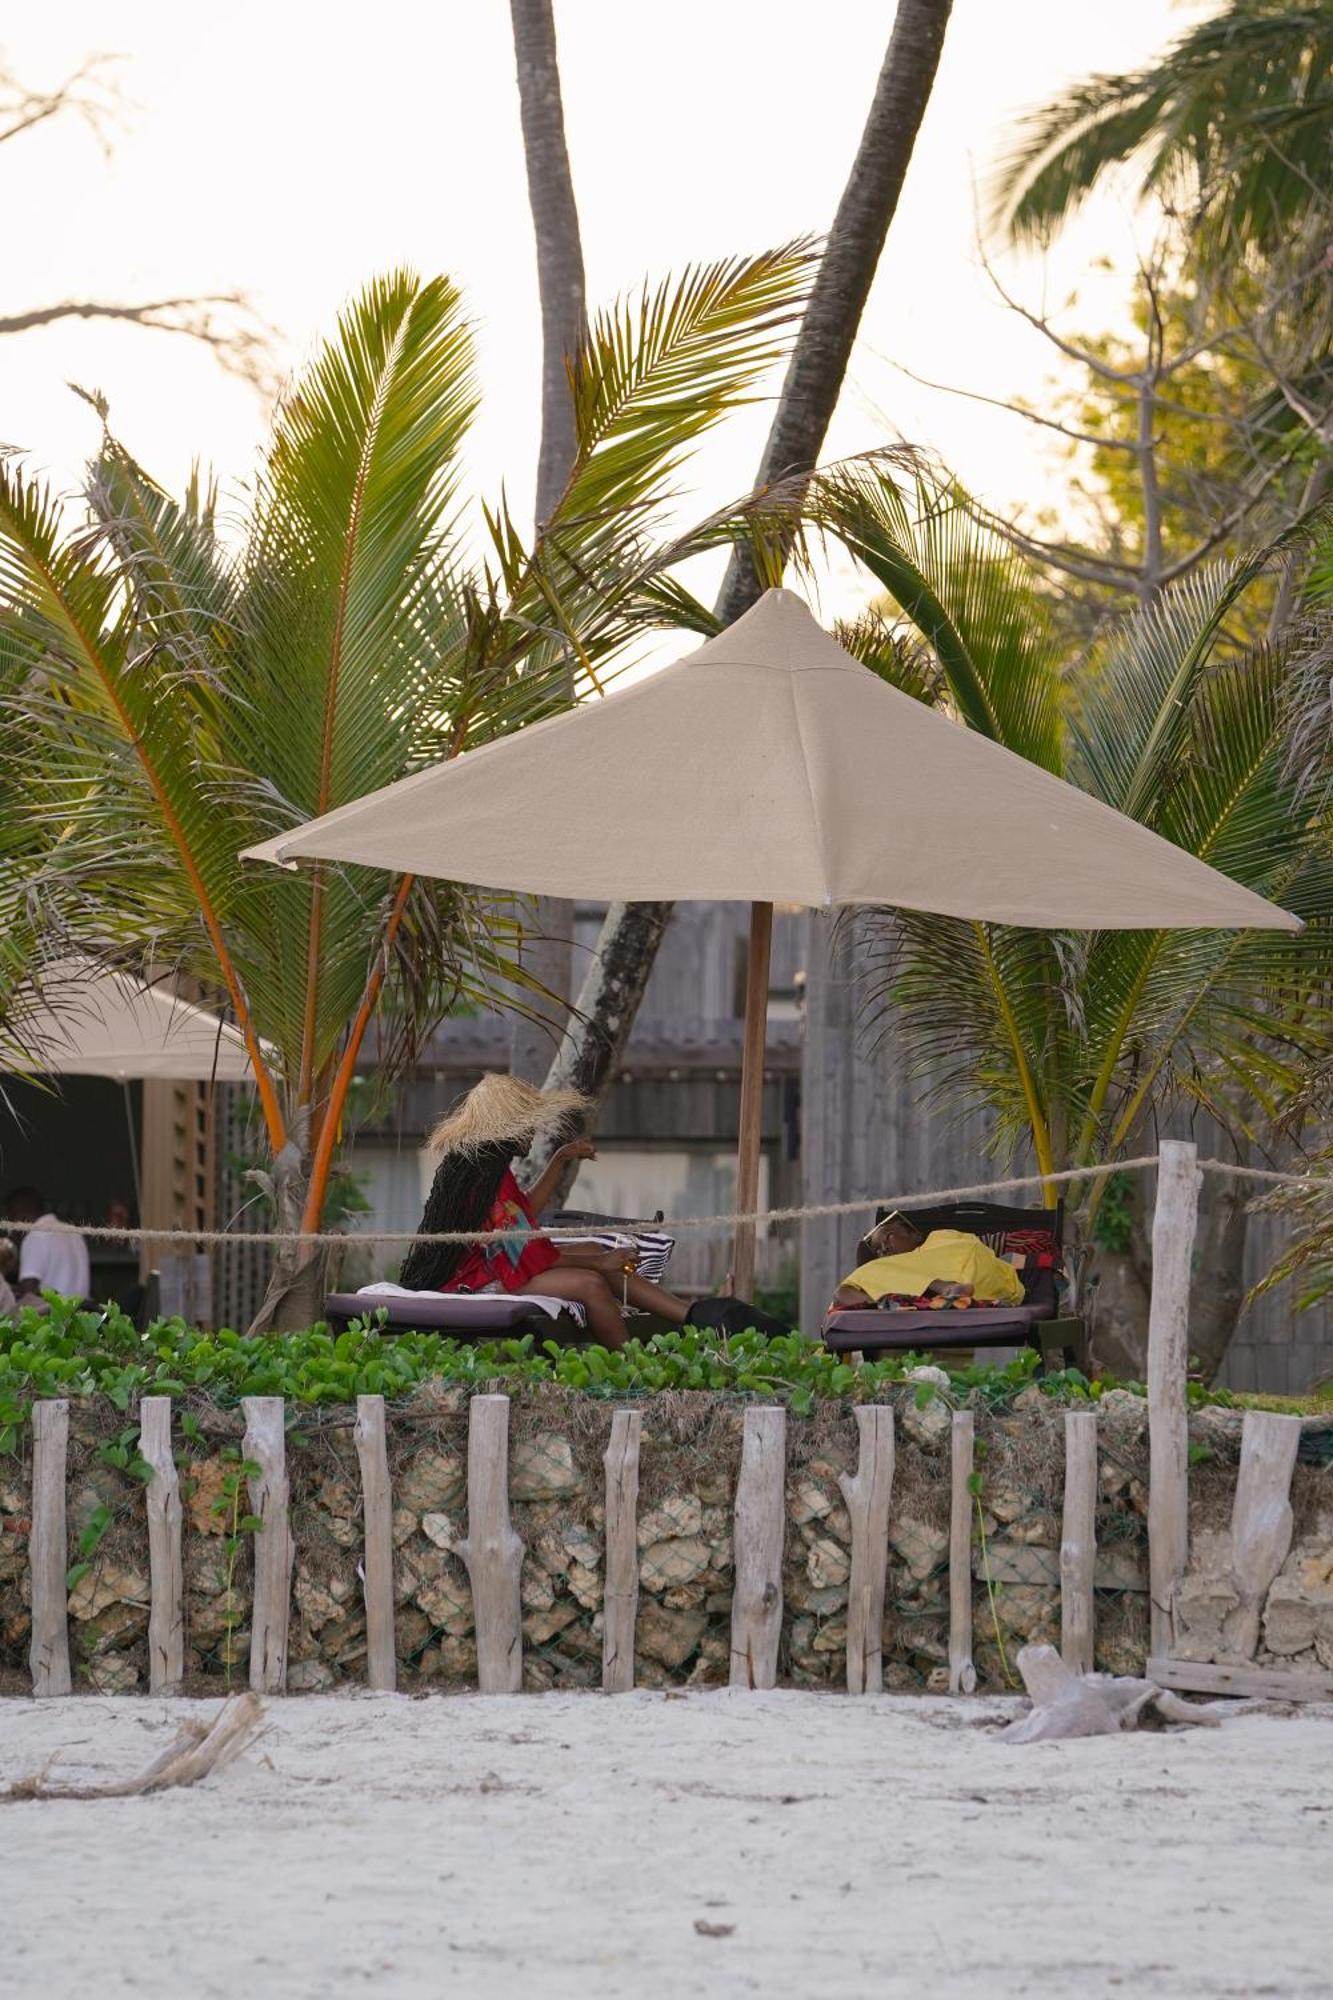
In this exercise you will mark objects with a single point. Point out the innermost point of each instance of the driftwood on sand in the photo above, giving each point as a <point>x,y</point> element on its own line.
<point>1066,1704</point>
<point>198,1750</point>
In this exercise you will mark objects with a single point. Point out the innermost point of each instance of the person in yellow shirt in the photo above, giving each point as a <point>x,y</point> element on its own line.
<point>949,1264</point>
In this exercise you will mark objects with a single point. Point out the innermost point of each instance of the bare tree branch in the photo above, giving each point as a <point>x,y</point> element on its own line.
<point>225,322</point>
<point>86,93</point>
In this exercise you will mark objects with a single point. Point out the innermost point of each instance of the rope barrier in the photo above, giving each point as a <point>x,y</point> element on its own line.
<point>863,1206</point>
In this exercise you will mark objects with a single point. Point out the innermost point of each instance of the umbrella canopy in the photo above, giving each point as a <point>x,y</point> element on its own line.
<point>771,766</point>
<point>87,1022</point>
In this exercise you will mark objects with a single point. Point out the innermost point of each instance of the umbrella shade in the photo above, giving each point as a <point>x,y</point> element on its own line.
<point>771,766</point>
<point>86,1022</point>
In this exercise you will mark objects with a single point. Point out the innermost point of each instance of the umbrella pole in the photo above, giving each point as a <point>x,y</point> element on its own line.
<point>134,1148</point>
<point>751,1135</point>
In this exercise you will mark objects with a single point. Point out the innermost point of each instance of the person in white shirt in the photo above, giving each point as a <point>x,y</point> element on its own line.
<point>9,1270</point>
<point>53,1258</point>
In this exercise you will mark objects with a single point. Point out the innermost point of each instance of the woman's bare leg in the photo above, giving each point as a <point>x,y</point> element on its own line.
<point>647,1297</point>
<point>590,1290</point>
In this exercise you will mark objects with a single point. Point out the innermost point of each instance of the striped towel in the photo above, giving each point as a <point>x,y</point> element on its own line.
<point>650,1248</point>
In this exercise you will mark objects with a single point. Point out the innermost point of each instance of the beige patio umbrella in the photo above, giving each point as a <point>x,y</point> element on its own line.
<point>770,767</point>
<point>81,1020</point>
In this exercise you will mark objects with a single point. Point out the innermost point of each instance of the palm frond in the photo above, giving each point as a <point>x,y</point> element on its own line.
<point>968,595</point>
<point>1234,121</point>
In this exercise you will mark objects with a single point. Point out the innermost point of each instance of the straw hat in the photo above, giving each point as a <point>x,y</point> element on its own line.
<point>504,1107</point>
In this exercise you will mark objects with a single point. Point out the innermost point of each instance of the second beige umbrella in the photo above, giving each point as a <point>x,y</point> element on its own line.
<point>770,767</point>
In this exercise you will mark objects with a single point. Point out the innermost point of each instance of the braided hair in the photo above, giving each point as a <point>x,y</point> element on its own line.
<point>461,1196</point>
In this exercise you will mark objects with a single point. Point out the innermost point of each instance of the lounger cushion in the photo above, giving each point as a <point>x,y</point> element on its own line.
<point>974,1326</point>
<point>469,1315</point>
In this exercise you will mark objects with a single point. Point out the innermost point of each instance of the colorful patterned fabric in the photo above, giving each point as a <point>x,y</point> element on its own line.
<point>517,1261</point>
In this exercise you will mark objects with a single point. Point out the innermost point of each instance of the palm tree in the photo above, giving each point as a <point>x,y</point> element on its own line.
<point>179,704</point>
<point>1078,1044</point>
<point>562,288</point>
<point>1232,127</point>
<point>608,1005</point>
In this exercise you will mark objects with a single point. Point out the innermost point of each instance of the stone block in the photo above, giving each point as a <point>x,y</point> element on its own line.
<point>539,1627</point>
<point>1019,1564</point>
<point>827,1564</point>
<point>542,1467</point>
<point>431,1481</point>
<point>679,1560</point>
<point>104,1585</point>
<point>447,1602</point>
<point>665,1636</point>
<point>920,1544</point>
<point>310,1677</point>
<point>680,1514</point>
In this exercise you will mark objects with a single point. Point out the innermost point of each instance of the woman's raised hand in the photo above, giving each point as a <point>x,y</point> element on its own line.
<point>578,1149</point>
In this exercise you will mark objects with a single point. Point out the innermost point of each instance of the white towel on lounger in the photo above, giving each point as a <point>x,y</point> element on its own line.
<point>553,1308</point>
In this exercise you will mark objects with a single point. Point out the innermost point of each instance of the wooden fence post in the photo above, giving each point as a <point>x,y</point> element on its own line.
<point>962,1673</point>
<point>48,1651</point>
<point>1078,1542</point>
<point>760,1528</point>
<point>166,1615</point>
<point>265,1444</point>
<point>1261,1521</point>
<point>1174,1222</point>
<point>867,1494</point>
<point>492,1551</point>
<point>377,1544</point>
<point>620,1596</point>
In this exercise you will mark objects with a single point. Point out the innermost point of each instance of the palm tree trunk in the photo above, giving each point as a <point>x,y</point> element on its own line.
<point>606,1007</point>
<point>560,281</point>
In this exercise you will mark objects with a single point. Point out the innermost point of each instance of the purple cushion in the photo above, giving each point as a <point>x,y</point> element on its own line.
<point>974,1326</point>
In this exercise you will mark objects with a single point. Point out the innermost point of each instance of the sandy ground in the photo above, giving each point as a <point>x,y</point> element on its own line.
<point>572,1845</point>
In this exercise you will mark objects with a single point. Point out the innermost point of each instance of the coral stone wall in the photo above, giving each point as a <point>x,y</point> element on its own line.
<point>689,1463</point>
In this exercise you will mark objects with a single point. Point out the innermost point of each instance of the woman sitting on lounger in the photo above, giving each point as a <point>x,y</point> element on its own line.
<point>907,1265</point>
<point>475,1188</point>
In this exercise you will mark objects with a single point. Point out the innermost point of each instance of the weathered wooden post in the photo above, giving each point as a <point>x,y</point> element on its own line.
<point>1261,1520</point>
<point>620,1596</point>
<point>492,1551</point>
<point>868,1492</point>
<point>166,1615</point>
<point>962,1673</point>
<point>265,1445</point>
<point>48,1650</point>
<point>1078,1541</point>
<point>1174,1223</point>
<point>372,1454</point>
<point>759,1531</point>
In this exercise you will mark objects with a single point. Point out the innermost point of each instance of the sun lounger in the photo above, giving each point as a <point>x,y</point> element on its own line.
<point>1037,1234</point>
<point>461,1315</point>
<point>486,1315</point>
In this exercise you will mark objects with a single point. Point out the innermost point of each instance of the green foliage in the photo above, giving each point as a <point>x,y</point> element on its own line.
<point>1073,1040</point>
<point>175,703</point>
<point>1115,1218</point>
<point>1231,126</point>
<point>73,1353</point>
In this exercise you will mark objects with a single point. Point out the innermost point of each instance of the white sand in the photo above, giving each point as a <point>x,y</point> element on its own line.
<point>566,1845</point>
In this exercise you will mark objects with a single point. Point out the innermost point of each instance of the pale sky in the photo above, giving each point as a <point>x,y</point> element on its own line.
<point>292,151</point>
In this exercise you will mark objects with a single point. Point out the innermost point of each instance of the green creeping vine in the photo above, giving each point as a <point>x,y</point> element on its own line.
<point>67,1352</point>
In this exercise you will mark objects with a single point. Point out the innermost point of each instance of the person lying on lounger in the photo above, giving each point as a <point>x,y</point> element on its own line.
<point>474,1188</point>
<point>907,1265</point>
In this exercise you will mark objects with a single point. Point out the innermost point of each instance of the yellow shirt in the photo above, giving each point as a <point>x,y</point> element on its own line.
<point>951,1254</point>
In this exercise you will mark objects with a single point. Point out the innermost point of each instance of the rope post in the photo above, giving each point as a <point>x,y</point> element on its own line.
<point>1175,1221</point>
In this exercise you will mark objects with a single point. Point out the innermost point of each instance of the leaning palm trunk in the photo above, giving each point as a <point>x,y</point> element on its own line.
<point>621,965</point>
<point>548,951</point>
<point>295,1295</point>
